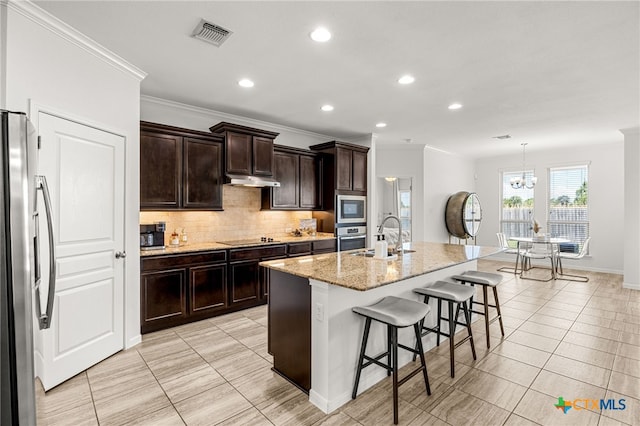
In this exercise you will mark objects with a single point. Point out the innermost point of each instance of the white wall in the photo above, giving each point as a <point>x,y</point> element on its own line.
<point>606,196</point>
<point>436,176</point>
<point>445,174</point>
<point>48,63</point>
<point>172,113</point>
<point>404,161</point>
<point>631,208</point>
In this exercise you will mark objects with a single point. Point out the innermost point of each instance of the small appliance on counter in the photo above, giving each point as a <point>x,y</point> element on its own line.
<point>152,236</point>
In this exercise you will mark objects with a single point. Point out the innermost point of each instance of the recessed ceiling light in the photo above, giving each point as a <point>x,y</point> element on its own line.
<point>245,82</point>
<point>320,35</point>
<point>406,79</point>
<point>455,106</point>
<point>381,125</point>
<point>327,108</point>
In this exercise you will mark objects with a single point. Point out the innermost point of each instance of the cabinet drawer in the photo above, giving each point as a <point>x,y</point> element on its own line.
<point>298,249</point>
<point>324,245</point>
<point>257,253</point>
<point>171,261</point>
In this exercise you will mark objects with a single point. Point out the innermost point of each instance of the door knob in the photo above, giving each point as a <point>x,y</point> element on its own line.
<point>121,255</point>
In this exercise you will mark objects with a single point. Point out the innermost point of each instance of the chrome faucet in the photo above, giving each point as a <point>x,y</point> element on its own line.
<point>398,248</point>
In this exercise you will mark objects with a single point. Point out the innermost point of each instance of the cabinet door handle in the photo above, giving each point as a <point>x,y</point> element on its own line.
<point>121,254</point>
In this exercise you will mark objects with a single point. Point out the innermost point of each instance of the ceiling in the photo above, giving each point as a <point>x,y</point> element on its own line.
<point>547,73</point>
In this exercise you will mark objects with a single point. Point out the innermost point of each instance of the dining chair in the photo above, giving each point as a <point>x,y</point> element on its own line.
<point>504,243</point>
<point>539,251</point>
<point>573,256</point>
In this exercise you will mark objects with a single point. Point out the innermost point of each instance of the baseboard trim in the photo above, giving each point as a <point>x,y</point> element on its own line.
<point>135,340</point>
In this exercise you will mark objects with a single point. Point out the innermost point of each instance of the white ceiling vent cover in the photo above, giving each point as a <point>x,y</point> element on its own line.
<point>211,33</point>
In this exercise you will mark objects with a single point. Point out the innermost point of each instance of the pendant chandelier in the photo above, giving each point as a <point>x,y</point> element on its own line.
<point>521,181</point>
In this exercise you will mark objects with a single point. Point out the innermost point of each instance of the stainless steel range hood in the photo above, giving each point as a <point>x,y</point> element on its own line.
<point>252,181</point>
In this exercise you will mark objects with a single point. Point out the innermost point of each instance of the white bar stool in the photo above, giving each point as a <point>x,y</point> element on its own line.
<point>396,313</point>
<point>485,279</point>
<point>451,293</point>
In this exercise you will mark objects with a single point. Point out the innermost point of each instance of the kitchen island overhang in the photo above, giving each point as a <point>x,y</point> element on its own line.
<point>313,334</point>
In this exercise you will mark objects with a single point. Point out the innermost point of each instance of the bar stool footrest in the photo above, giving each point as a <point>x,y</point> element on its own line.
<point>482,304</point>
<point>433,330</point>
<point>464,340</point>
<point>376,361</point>
<point>408,377</point>
<point>406,348</point>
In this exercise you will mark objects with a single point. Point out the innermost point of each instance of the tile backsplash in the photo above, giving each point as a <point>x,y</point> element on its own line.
<point>241,218</point>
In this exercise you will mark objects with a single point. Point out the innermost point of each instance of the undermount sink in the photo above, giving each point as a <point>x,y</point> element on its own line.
<point>371,253</point>
<point>366,253</point>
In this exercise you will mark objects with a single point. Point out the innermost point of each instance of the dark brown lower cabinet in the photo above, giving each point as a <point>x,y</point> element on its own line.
<point>299,249</point>
<point>244,282</point>
<point>164,298</point>
<point>248,284</point>
<point>264,279</point>
<point>324,246</point>
<point>176,289</point>
<point>208,285</point>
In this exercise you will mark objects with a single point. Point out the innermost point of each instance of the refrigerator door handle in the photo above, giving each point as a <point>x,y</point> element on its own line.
<point>44,320</point>
<point>36,251</point>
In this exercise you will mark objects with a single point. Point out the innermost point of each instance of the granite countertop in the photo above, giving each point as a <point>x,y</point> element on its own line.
<point>196,247</point>
<point>365,273</point>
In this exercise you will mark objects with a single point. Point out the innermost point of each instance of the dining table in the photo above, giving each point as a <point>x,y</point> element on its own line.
<point>551,242</point>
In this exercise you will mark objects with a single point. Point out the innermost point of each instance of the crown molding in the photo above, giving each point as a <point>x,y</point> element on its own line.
<point>401,146</point>
<point>65,31</point>
<point>231,117</point>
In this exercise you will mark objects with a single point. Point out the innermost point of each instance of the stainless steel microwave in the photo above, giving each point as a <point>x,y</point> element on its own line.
<point>351,209</point>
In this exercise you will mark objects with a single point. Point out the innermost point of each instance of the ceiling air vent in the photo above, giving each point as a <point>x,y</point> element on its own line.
<point>211,33</point>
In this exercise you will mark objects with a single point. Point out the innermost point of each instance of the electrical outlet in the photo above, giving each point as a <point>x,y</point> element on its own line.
<point>288,230</point>
<point>319,311</point>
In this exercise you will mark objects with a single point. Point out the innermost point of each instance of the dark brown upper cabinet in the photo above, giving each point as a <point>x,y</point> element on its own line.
<point>179,168</point>
<point>248,151</point>
<point>238,159</point>
<point>359,171</point>
<point>310,182</point>
<point>344,168</point>
<point>160,170</point>
<point>298,171</point>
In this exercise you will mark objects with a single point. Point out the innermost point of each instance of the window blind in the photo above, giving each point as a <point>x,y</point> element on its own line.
<point>568,205</point>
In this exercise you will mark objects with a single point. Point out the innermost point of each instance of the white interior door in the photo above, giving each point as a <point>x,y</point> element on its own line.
<point>84,167</point>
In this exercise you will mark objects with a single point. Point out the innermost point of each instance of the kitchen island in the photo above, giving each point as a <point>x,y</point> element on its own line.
<point>313,334</point>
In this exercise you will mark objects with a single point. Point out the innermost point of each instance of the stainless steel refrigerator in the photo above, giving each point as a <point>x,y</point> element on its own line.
<point>20,274</point>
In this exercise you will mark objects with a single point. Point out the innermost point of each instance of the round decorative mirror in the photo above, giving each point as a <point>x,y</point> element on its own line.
<point>463,214</point>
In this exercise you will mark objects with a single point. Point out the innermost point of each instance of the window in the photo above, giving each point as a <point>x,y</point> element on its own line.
<point>517,207</point>
<point>404,201</point>
<point>569,205</point>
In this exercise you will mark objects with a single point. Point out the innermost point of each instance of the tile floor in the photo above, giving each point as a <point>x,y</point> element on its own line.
<point>577,340</point>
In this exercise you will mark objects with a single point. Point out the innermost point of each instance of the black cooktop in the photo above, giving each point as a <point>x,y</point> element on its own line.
<point>249,241</point>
